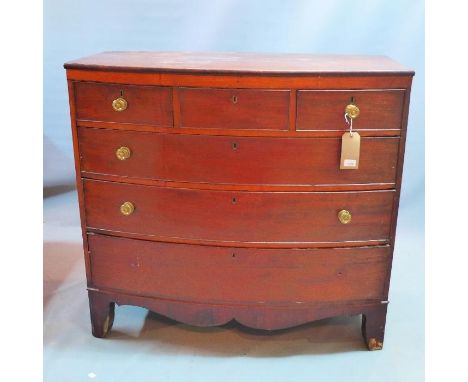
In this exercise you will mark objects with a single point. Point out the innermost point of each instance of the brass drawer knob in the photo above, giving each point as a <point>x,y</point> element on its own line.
<point>344,216</point>
<point>123,153</point>
<point>352,111</point>
<point>119,104</point>
<point>127,208</point>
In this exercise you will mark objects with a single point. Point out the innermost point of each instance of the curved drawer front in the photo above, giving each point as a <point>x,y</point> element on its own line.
<point>151,105</point>
<point>324,109</point>
<point>238,275</point>
<point>234,108</point>
<point>257,217</point>
<point>235,160</point>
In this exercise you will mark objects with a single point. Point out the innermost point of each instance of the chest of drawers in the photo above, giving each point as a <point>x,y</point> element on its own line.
<point>210,186</point>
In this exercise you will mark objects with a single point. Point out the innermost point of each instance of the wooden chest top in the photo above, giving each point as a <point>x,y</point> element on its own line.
<point>228,62</point>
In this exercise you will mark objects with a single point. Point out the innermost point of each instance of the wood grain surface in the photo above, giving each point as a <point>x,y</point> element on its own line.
<point>234,175</point>
<point>237,62</point>
<point>324,110</point>
<point>150,105</point>
<point>245,80</point>
<point>237,275</point>
<point>234,108</point>
<point>235,160</point>
<point>258,316</point>
<point>254,217</point>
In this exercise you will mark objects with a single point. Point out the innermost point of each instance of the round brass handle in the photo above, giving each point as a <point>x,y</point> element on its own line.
<point>352,111</point>
<point>123,153</point>
<point>127,208</point>
<point>344,216</point>
<point>119,104</point>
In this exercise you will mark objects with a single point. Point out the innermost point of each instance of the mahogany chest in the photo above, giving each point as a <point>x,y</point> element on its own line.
<point>211,189</point>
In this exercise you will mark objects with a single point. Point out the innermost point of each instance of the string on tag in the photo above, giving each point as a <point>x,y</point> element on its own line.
<point>350,123</point>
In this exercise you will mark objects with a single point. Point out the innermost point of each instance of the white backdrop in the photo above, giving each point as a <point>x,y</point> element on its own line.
<point>78,28</point>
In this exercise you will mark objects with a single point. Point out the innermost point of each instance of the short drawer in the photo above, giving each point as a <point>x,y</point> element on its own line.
<point>234,109</point>
<point>234,160</point>
<point>149,105</point>
<point>325,109</point>
<point>238,275</point>
<point>238,216</point>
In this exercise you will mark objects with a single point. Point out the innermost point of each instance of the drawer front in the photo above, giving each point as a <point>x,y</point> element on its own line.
<point>235,160</point>
<point>234,109</point>
<point>150,105</point>
<point>324,110</point>
<point>238,275</point>
<point>258,217</point>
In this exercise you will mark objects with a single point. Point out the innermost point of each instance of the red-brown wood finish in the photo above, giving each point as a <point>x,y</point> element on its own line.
<point>229,216</point>
<point>79,184</point>
<point>238,275</point>
<point>236,81</point>
<point>235,181</point>
<point>291,133</point>
<point>324,109</point>
<point>146,104</point>
<point>238,62</point>
<point>222,159</point>
<point>234,108</point>
<point>259,316</point>
<point>401,157</point>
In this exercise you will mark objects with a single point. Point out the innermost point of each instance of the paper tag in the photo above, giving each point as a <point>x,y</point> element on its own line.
<point>349,163</point>
<point>350,148</point>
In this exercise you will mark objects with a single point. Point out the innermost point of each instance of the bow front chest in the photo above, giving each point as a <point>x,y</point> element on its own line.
<point>217,187</point>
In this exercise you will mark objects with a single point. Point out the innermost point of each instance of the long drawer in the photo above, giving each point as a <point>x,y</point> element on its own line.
<point>257,217</point>
<point>239,275</point>
<point>234,160</point>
